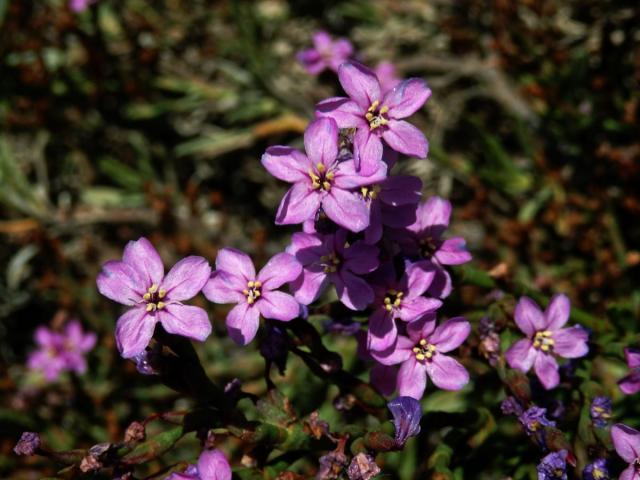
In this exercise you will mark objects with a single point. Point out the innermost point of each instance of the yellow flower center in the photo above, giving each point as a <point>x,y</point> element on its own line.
<point>330,262</point>
<point>376,116</point>
<point>252,292</point>
<point>321,178</point>
<point>424,351</point>
<point>371,192</point>
<point>543,341</point>
<point>393,299</point>
<point>154,297</point>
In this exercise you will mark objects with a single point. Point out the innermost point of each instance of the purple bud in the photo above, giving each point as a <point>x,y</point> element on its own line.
<point>144,363</point>
<point>553,466</point>
<point>407,414</point>
<point>596,471</point>
<point>511,406</point>
<point>362,467</point>
<point>601,411</point>
<point>534,419</point>
<point>28,444</point>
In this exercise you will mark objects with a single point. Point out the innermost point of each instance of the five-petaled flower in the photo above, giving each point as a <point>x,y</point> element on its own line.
<point>212,465</point>
<point>138,281</point>
<point>553,466</point>
<point>626,441</point>
<point>326,53</point>
<point>422,354</point>
<point>376,115</point>
<point>235,281</point>
<point>545,338</point>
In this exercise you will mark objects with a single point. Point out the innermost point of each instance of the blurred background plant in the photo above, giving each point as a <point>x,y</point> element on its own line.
<point>139,118</point>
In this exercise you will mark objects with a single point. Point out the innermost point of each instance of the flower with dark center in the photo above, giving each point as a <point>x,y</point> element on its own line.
<point>601,411</point>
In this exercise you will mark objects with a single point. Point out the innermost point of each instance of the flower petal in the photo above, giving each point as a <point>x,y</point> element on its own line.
<point>298,204</point>
<point>213,465</point>
<point>399,351</point>
<point>186,320</point>
<point>309,286</point>
<point>405,138</point>
<point>134,330</point>
<point>353,291</point>
<point>630,384</point>
<point>626,441</point>
<point>447,373</point>
<point>453,251</point>
<point>529,317</point>
<point>546,369</point>
<point>186,278</point>
<point>346,209</point>
<point>412,379</point>
<point>280,269</point>
<point>521,355</point>
<point>235,262</point>
<point>348,177</point>
<point>557,313</point>
<point>435,212</point>
<point>629,473</point>
<point>418,277</point>
<point>632,355</point>
<point>407,97</point>
<point>346,112</point>
<point>450,334</point>
<point>360,83</point>
<point>571,342</point>
<point>418,307</point>
<point>45,337</point>
<point>224,287</point>
<point>142,256</point>
<point>361,258</point>
<point>278,306</point>
<point>401,190</point>
<point>383,378</point>
<point>122,283</point>
<point>367,151</point>
<point>321,141</point>
<point>422,328</point>
<point>286,163</point>
<point>242,323</point>
<point>382,332</point>
<point>441,286</point>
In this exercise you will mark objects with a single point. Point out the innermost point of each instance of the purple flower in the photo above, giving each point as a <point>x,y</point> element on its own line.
<point>235,281</point>
<point>511,406</point>
<point>601,411</point>
<point>626,441</point>
<point>377,116</point>
<point>631,383</point>
<point>407,414</point>
<point>533,419</point>
<point>80,5</point>
<point>383,378</point>
<point>422,354</point>
<point>319,180</point>
<point>28,444</point>
<point>331,259</point>
<point>139,281</point>
<point>212,465</point>
<point>325,53</point>
<point>59,352</point>
<point>545,337</point>
<point>596,471</point>
<point>553,466</point>
<point>399,299</point>
<point>387,76</point>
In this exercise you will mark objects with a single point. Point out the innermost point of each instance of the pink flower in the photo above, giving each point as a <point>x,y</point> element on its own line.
<point>325,54</point>
<point>212,465</point>
<point>545,338</point>
<point>59,352</point>
<point>235,281</point>
<point>139,281</point>
<point>387,76</point>
<point>80,5</point>
<point>377,116</point>
<point>319,180</point>
<point>631,383</point>
<point>626,441</point>
<point>422,355</point>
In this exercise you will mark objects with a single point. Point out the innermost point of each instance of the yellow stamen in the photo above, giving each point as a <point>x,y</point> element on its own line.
<point>320,167</point>
<point>146,296</point>
<point>423,342</point>
<point>153,288</point>
<point>420,356</point>
<point>160,305</point>
<point>162,293</point>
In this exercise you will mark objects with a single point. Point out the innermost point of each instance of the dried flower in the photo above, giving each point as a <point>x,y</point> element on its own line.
<point>28,444</point>
<point>362,467</point>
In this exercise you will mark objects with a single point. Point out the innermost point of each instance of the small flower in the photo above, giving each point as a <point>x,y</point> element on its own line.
<point>422,355</point>
<point>59,352</point>
<point>212,465</point>
<point>407,414</point>
<point>626,441</point>
<point>331,259</point>
<point>320,181</point>
<point>139,281</point>
<point>377,116</point>
<point>553,466</point>
<point>631,383</point>
<point>80,5</point>
<point>362,467</point>
<point>545,337</point>
<point>601,411</point>
<point>596,471</point>
<point>399,299</point>
<point>326,53</point>
<point>28,444</point>
<point>387,76</point>
<point>235,281</point>
<point>511,406</point>
<point>533,419</point>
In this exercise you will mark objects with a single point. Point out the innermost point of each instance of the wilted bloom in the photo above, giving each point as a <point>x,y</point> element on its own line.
<point>534,419</point>
<point>377,115</point>
<point>212,465</point>
<point>545,337</point>
<point>326,53</point>
<point>596,471</point>
<point>489,341</point>
<point>399,299</point>
<point>387,76</point>
<point>320,180</point>
<point>80,5</point>
<point>362,467</point>
<point>235,281</point>
<point>631,383</point>
<point>553,466</point>
<point>332,464</point>
<point>601,411</point>
<point>139,281</point>
<point>332,259</point>
<point>61,351</point>
<point>422,354</point>
<point>407,414</point>
<point>626,441</point>
<point>28,444</point>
